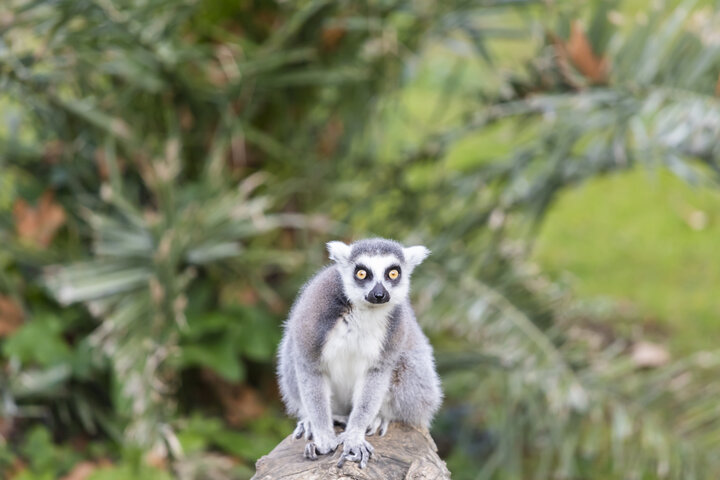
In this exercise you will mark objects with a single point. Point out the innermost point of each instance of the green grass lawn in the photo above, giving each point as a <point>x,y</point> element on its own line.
<point>646,238</point>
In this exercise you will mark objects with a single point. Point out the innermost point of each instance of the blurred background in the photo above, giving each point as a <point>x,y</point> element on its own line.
<point>171,170</point>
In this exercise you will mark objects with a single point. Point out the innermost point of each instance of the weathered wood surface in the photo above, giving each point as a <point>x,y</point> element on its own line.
<point>405,452</point>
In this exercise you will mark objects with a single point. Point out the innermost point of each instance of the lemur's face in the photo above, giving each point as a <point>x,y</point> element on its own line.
<point>374,276</point>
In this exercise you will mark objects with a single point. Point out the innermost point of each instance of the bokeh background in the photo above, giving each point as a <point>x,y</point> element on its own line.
<point>171,170</point>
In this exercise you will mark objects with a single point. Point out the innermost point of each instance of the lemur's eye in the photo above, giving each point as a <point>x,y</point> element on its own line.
<point>361,274</point>
<point>393,274</point>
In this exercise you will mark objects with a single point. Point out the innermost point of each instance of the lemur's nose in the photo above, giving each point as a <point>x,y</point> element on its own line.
<point>378,294</point>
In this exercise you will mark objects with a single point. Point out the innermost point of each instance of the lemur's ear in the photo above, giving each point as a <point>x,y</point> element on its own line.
<point>414,256</point>
<point>339,252</point>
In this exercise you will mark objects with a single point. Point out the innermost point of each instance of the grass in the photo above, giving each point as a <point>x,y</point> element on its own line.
<point>646,238</point>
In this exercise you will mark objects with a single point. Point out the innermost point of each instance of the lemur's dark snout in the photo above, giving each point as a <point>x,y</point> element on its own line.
<point>378,294</point>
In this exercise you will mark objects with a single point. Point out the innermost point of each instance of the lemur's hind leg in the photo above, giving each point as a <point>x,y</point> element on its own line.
<point>340,420</point>
<point>415,393</point>
<point>380,423</point>
<point>379,426</point>
<point>303,429</point>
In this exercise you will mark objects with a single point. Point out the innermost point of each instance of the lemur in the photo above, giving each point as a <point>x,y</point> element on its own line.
<point>352,351</point>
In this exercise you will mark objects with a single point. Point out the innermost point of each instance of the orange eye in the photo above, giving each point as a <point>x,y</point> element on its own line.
<point>393,274</point>
<point>361,274</point>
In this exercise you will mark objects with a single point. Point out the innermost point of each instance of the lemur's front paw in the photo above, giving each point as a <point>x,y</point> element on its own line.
<point>355,449</point>
<point>321,445</point>
<point>379,426</point>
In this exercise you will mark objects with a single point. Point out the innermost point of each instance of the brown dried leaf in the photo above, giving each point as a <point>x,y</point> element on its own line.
<point>580,53</point>
<point>649,355</point>
<point>17,468</point>
<point>102,164</point>
<point>11,316</point>
<point>243,406</point>
<point>241,403</point>
<point>330,137</point>
<point>52,151</point>
<point>248,296</point>
<point>157,457</point>
<point>717,87</point>
<point>238,293</point>
<point>237,152</point>
<point>216,75</point>
<point>6,19</point>
<point>147,172</point>
<point>38,225</point>
<point>331,37</point>
<point>187,119</point>
<point>6,428</point>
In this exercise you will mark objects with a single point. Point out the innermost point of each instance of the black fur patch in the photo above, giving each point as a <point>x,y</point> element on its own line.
<point>327,321</point>
<point>337,308</point>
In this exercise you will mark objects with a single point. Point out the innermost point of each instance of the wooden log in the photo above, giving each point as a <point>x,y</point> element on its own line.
<point>405,452</point>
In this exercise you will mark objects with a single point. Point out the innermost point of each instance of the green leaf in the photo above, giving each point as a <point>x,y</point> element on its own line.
<point>198,433</point>
<point>125,472</point>
<point>221,357</point>
<point>39,342</point>
<point>205,323</point>
<point>259,336</point>
<point>249,446</point>
<point>46,459</point>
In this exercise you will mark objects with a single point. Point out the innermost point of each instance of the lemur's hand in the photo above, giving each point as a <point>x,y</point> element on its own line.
<point>355,448</point>
<point>320,442</point>
<point>320,446</point>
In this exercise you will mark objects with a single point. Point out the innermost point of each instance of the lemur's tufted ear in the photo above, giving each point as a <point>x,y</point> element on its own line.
<point>339,252</point>
<point>414,256</point>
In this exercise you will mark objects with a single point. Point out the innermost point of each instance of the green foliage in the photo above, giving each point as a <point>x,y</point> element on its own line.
<point>199,154</point>
<point>218,340</point>
<point>202,433</point>
<point>47,460</point>
<point>39,343</point>
<point>125,471</point>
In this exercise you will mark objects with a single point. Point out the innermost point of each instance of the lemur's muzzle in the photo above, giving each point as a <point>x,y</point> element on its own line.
<point>378,294</point>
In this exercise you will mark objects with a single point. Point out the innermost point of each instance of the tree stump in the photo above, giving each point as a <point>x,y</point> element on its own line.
<point>405,452</point>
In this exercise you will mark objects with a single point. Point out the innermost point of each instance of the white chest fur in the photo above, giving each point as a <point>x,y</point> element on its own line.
<point>351,348</point>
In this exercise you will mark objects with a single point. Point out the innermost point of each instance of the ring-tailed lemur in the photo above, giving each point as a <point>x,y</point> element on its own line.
<point>353,352</point>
